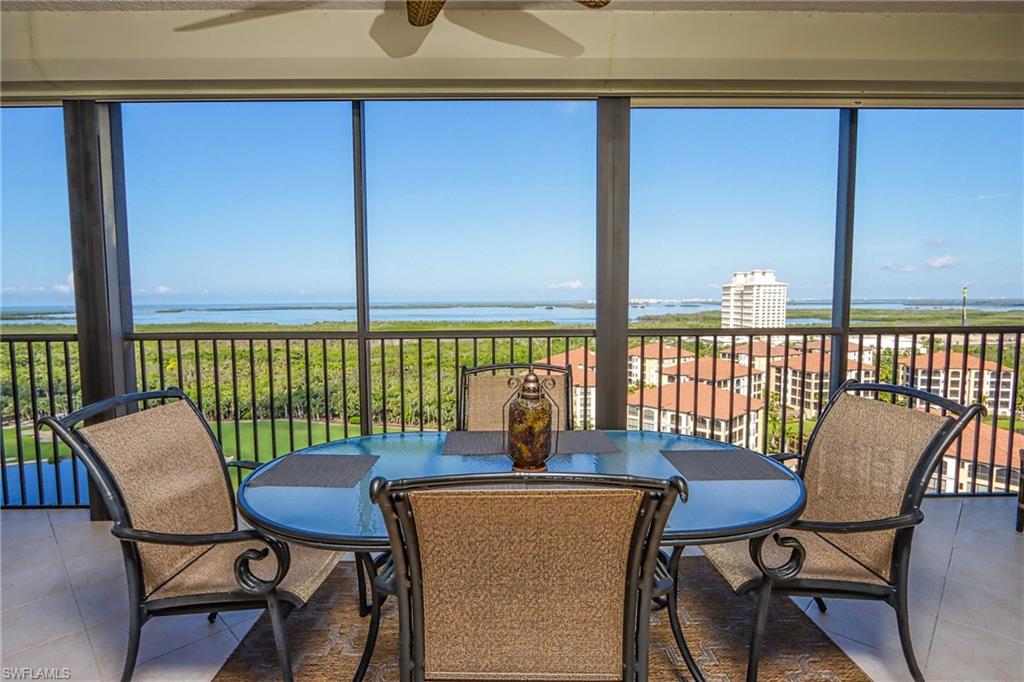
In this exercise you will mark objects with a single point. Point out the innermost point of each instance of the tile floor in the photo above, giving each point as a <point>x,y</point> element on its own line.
<point>64,602</point>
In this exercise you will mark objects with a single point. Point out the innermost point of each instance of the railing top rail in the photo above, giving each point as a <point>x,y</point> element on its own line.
<point>351,334</point>
<point>24,338</point>
<point>939,329</point>
<point>739,333</point>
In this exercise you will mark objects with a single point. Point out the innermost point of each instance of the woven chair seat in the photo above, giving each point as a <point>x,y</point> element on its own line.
<point>824,561</point>
<point>213,572</point>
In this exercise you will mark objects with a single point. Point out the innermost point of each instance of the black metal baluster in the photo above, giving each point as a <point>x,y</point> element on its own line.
<point>344,388</point>
<point>401,380</point>
<point>19,446</point>
<point>288,379</point>
<point>273,407</point>
<point>252,401</point>
<point>53,411</point>
<point>69,387</point>
<point>309,403</point>
<point>383,386</point>
<point>234,400</point>
<point>419,379</point>
<point>216,392</point>
<point>327,391</point>
<point>34,406</point>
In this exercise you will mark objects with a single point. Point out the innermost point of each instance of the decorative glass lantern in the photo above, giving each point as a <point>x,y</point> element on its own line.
<point>528,416</point>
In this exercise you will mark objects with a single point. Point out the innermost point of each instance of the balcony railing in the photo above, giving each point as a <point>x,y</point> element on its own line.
<point>267,393</point>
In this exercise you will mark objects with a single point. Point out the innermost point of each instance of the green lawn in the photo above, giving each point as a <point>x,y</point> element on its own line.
<point>302,436</point>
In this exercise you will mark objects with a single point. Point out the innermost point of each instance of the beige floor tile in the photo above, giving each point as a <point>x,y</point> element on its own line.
<point>159,636</point>
<point>881,665</point>
<point>60,517</point>
<point>961,652</point>
<point>980,555</point>
<point>993,606</point>
<point>31,584</point>
<point>21,555</point>
<point>233,617</point>
<point>11,516</point>
<point>873,624</point>
<point>40,621</point>
<point>71,653</point>
<point>93,567</point>
<point>195,662</point>
<point>102,601</point>
<point>34,529</point>
<point>74,539</point>
<point>989,514</point>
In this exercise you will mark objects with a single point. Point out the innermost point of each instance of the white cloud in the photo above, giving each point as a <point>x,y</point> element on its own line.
<point>889,265</point>
<point>939,262</point>
<point>163,290</point>
<point>23,289</point>
<point>571,284</point>
<point>67,286</point>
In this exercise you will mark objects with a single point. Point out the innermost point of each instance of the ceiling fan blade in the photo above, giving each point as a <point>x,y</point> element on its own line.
<point>423,12</point>
<point>258,10</point>
<point>518,28</point>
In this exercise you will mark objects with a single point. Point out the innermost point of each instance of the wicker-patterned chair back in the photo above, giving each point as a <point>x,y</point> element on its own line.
<point>485,395</point>
<point>171,478</point>
<point>530,581</point>
<point>859,467</point>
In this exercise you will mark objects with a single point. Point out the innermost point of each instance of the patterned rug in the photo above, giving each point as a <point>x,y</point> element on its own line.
<point>327,636</point>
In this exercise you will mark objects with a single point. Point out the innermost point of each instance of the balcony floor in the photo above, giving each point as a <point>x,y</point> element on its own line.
<point>64,603</point>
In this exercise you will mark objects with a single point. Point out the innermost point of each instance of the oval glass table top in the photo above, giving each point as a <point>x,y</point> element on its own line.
<point>345,518</point>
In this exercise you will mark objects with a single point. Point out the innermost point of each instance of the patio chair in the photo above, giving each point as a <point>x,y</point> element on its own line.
<point>867,466</point>
<point>166,485</point>
<point>523,576</point>
<point>484,390</point>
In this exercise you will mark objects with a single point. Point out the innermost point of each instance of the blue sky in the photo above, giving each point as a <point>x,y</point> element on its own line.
<point>252,202</point>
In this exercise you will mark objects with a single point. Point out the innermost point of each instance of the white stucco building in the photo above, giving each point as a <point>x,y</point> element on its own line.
<point>754,299</point>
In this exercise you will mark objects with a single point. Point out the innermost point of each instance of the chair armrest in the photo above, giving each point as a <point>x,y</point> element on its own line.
<point>244,464</point>
<point>785,456</point>
<point>138,535</point>
<point>244,576</point>
<point>891,523</point>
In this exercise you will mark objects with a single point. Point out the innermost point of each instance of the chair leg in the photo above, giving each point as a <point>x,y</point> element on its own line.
<point>371,637</point>
<point>211,617</point>
<point>132,655</point>
<point>280,637</point>
<point>364,605</point>
<point>673,617</point>
<point>764,595</point>
<point>903,621</point>
<point>821,604</point>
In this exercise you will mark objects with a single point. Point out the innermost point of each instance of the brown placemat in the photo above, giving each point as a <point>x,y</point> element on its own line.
<point>318,471</point>
<point>723,465</point>
<point>493,443</point>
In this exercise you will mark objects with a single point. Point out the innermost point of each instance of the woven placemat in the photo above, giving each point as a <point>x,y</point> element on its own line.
<point>493,443</point>
<point>723,465</point>
<point>320,471</point>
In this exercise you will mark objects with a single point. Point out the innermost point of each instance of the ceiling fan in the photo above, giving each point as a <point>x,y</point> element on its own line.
<point>402,36</point>
<point>423,12</point>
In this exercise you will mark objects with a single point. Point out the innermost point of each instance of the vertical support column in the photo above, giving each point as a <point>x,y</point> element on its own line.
<point>613,114</point>
<point>842,271</point>
<point>362,281</point>
<point>99,254</point>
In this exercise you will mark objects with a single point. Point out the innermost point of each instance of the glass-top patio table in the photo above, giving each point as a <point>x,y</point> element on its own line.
<point>344,518</point>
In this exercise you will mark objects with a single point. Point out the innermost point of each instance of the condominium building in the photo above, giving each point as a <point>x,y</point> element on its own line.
<point>754,298</point>
<point>584,383</point>
<point>942,373</point>
<point>759,353</point>
<point>802,380</point>
<point>723,374</point>
<point>706,411</point>
<point>648,360</point>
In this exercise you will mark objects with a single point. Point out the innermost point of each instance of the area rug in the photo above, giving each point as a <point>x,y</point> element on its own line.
<point>327,636</point>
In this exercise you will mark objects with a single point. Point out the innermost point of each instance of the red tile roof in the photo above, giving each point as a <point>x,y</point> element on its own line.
<point>816,344</point>
<point>669,351</point>
<point>815,361</point>
<point>760,349</point>
<point>668,393</point>
<point>574,357</point>
<point>955,361</point>
<point>705,368</point>
<point>1004,438</point>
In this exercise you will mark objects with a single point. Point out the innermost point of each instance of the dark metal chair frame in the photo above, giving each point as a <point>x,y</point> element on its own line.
<point>401,574</point>
<point>255,592</point>
<point>783,579</point>
<point>512,368</point>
